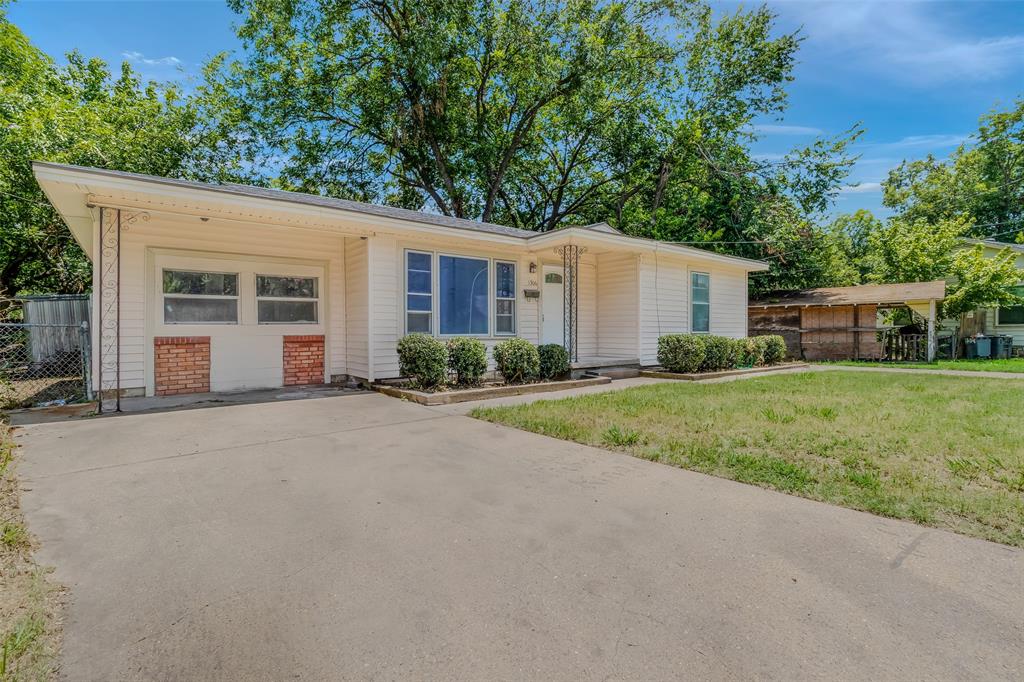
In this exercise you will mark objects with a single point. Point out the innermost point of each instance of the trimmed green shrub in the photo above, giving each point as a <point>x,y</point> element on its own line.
<point>517,360</point>
<point>752,352</point>
<point>554,361</point>
<point>774,349</point>
<point>467,359</point>
<point>424,359</point>
<point>719,353</point>
<point>738,352</point>
<point>682,353</point>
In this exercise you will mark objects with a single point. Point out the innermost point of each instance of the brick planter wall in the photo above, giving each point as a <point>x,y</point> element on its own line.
<point>303,360</point>
<point>182,364</point>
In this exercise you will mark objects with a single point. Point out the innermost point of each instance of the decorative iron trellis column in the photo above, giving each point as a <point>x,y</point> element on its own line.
<point>570,254</point>
<point>112,224</point>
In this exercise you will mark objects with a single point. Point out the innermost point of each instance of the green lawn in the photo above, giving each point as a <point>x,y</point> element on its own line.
<point>1012,365</point>
<point>942,451</point>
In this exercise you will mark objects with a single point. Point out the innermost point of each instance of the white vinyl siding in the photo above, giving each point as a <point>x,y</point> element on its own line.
<point>386,326</point>
<point>617,305</point>
<point>728,302</point>
<point>664,301</point>
<point>357,307</point>
<point>586,309</point>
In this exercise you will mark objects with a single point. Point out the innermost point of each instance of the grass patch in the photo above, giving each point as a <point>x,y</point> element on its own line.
<point>1015,365</point>
<point>942,451</point>
<point>29,602</point>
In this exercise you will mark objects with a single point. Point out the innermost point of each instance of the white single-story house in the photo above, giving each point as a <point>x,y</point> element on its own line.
<point>206,287</point>
<point>1009,320</point>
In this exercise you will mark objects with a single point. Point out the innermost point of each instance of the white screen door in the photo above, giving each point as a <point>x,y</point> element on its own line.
<point>553,306</point>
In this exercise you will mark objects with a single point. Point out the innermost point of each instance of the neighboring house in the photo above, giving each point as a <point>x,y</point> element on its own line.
<point>842,323</point>
<point>204,287</point>
<point>1008,320</point>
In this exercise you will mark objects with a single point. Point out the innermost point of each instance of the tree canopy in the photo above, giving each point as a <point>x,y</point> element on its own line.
<point>83,114</point>
<point>982,181</point>
<point>977,192</point>
<point>535,114</point>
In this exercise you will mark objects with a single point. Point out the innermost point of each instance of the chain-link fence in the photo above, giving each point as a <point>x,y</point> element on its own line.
<point>42,363</point>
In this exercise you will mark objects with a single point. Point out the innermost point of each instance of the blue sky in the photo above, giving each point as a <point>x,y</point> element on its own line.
<point>917,75</point>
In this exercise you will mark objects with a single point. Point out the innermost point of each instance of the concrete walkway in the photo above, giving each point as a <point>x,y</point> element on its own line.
<point>361,537</point>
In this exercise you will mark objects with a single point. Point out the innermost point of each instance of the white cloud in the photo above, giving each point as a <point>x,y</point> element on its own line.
<point>773,129</point>
<point>916,142</point>
<point>917,42</point>
<point>140,58</point>
<point>861,188</point>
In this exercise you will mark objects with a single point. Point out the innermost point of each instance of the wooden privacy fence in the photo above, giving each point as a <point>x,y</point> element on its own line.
<point>838,332</point>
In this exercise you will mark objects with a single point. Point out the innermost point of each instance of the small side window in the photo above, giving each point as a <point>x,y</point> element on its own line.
<point>504,298</point>
<point>191,297</point>
<point>419,297</point>
<point>700,302</point>
<point>287,300</point>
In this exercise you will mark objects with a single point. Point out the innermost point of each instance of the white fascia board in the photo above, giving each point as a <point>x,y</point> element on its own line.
<point>580,235</point>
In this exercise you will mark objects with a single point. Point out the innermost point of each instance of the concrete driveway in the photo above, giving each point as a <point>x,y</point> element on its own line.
<point>360,537</point>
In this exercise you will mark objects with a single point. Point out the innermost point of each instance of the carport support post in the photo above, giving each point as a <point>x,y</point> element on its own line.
<point>932,331</point>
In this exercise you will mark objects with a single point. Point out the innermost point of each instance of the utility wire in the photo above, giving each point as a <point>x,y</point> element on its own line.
<point>25,199</point>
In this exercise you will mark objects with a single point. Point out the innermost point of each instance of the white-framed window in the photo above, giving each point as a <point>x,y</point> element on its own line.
<point>504,298</point>
<point>419,292</point>
<point>198,297</point>
<point>282,299</point>
<point>462,290</point>
<point>700,302</point>
<point>1013,314</point>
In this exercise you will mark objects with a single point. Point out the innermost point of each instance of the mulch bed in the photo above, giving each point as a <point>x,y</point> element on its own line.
<point>461,395</point>
<point>704,376</point>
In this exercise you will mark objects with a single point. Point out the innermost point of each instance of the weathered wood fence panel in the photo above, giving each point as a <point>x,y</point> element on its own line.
<point>837,332</point>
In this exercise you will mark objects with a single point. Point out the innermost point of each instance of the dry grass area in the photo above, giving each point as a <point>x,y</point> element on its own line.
<point>30,603</point>
<point>939,450</point>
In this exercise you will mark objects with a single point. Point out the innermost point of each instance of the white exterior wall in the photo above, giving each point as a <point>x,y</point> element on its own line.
<point>182,239</point>
<point>357,307</point>
<point>664,301</point>
<point>586,308</point>
<point>728,302</point>
<point>385,306</point>
<point>618,301</point>
<point>626,300</point>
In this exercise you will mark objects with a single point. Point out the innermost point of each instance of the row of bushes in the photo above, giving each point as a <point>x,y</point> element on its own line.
<point>689,353</point>
<point>430,362</point>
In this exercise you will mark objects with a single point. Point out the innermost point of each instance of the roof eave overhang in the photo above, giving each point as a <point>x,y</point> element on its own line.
<point>584,236</point>
<point>95,190</point>
<point>75,191</point>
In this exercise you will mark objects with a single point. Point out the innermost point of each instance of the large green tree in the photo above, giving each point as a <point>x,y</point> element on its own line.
<point>80,113</point>
<point>982,181</point>
<point>532,113</point>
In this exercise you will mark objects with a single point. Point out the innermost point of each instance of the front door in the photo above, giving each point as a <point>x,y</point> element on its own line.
<point>553,306</point>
